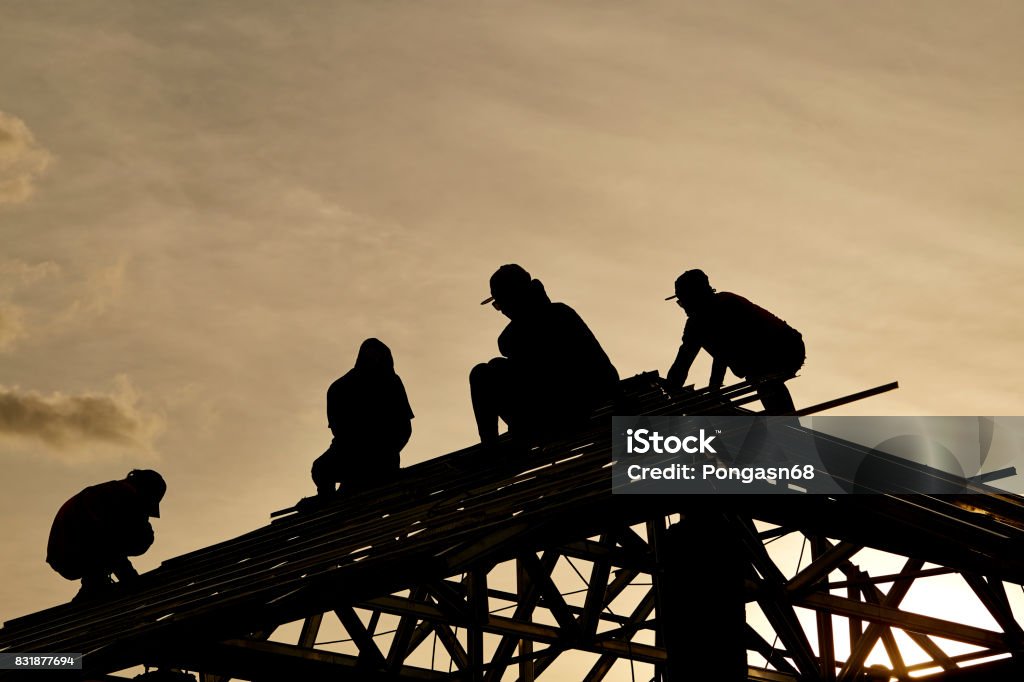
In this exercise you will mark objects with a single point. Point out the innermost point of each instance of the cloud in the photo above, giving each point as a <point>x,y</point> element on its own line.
<point>22,160</point>
<point>31,297</point>
<point>73,423</point>
<point>12,326</point>
<point>15,275</point>
<point>100,289</point>
<point>19,273</point>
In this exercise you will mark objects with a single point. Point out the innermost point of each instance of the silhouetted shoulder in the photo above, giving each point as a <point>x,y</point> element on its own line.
<point>110,501</point>
<point>728,302</point>
<point>565,311</point>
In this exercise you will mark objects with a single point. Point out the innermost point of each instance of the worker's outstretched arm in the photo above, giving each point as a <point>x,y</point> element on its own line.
<point>718,368</point>
<point>681,367</point>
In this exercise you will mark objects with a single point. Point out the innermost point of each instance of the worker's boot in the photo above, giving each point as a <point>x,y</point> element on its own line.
<point>94,586</point>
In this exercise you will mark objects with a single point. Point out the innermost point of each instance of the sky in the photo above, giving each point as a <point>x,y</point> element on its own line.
<point>206,206</point>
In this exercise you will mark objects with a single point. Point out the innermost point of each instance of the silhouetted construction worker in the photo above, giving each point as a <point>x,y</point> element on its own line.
<point>369,414</point>
<point>96,531</point>
<point>553,373</point>
<point>738,335</point>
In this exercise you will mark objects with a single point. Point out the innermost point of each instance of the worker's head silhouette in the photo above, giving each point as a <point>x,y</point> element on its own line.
<point>512,289</point>
<point>375,356</point>
<point>693,291</point>
<point>151,487</point>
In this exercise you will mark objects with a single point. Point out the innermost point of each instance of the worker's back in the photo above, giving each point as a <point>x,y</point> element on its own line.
<point>748,338</point>
<point>103,521</point>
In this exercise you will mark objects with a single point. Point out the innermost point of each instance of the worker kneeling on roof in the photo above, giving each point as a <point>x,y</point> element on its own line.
<point>96,531</point>
<point>553,373</point>
<point>738,335</point>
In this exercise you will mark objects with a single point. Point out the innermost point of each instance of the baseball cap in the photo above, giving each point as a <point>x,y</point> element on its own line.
<point>152,486</point>
<point>690,280</point>
<point>507,279</point>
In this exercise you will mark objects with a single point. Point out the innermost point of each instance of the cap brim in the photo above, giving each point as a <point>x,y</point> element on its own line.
<point>489,299</point>
<point>672,297</point>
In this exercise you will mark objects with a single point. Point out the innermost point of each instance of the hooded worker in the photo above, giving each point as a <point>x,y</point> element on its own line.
<point>552,373</point>
<point>96,531</point>
<point>740,336</point>
<point>369,415</point>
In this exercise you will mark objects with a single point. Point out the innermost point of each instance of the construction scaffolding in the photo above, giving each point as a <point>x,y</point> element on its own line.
<point>471,555</point>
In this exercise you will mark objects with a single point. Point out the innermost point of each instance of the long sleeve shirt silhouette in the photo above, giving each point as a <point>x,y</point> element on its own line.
<point>97,529</point>
<point>740,336</point>
<point>553,347</point>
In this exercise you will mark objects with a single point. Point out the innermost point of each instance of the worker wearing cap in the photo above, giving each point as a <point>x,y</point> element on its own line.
<point>96,531</point>
<point>552,372</point>
<point>738,335</point>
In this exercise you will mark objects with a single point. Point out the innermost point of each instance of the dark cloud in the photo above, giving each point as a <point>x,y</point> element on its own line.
<point>69,422</point>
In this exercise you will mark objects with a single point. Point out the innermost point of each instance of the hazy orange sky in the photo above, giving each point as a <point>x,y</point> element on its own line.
<point>206,206</point>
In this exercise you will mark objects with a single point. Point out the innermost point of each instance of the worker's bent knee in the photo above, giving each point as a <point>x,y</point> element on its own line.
<point>487,375</point>
<point>322,470</point>
<point>480,373</point>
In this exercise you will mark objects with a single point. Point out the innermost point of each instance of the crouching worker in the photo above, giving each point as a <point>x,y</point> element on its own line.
<point>96,531</point>
<point>739,335</point>
<point>369,415</point>
<point>553,372</point>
